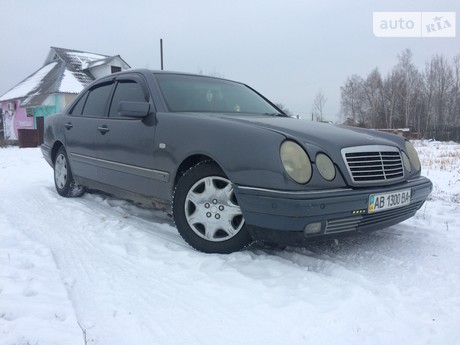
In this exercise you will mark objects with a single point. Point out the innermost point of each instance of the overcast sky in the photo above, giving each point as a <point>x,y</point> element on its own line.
<point>287,50</point>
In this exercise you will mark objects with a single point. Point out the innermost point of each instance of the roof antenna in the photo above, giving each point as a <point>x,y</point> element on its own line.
<point>161,52</point>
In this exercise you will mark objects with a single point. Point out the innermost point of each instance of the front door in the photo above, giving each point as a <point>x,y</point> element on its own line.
<point>125,155</point>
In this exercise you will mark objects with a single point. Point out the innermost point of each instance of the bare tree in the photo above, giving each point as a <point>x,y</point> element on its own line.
<point>409,90</point>
<point>428,101</point>
<point>353,100</point>
<point>454,109</point>
<point>318,105</point>
<point>439,81</point>
<point>373,88</point>
<point>392,87</point>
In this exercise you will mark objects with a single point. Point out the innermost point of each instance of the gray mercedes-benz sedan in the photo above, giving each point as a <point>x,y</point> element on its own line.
<point>229,165</point>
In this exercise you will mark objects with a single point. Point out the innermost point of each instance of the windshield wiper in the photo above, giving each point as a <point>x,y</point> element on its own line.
<point>276,114</point>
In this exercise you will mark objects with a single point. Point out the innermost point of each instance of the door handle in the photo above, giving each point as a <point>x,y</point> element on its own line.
<point>68,125</point>
<point>103,129</point>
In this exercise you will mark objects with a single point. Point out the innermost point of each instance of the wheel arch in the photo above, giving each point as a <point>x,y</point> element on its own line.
<point>56,146</point>
<point>189,162</point>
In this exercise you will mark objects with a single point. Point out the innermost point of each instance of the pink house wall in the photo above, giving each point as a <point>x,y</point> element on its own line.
<point>15,119</point>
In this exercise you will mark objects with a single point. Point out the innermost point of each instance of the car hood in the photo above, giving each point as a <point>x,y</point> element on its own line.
<point>320,134</point>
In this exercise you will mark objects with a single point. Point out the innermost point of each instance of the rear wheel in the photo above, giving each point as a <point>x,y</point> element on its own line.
<point>63,178</point>
<point>206,212</point>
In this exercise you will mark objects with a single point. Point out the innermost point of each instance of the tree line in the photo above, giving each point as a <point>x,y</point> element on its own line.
<point>426,101</point>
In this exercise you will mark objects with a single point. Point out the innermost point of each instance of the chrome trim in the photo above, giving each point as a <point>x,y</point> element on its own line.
<point>342,224</point>
<point>416,179</point>
<point>121,167</point>
<point>274,191</point>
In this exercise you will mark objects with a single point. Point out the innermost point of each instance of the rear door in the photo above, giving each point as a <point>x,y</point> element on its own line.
<point>81,129</point>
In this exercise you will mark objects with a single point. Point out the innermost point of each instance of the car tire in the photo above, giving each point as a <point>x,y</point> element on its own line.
<point>206,212</point>
<point>63,178</point>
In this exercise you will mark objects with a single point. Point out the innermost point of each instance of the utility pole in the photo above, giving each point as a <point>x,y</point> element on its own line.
<point>161,52</point>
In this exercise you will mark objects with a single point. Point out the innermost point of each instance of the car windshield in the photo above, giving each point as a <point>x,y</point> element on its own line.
<point>187,93</point>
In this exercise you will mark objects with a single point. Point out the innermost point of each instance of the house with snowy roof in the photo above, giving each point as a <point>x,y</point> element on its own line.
<point>51,88</point>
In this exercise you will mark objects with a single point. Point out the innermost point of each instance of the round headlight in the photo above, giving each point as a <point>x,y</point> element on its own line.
<point>295,162</point>
<point>325,166</point>
<point>413,156</point>
<point>406,162</point>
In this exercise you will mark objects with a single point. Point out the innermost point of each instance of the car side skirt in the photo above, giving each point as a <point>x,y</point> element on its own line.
<point>125,168</point>
<point>162,205</point>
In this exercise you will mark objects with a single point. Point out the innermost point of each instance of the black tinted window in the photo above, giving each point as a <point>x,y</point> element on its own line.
<point>185,93</point>
<point>126,91</point>
<point>77,109</point>
<point>97,100</point>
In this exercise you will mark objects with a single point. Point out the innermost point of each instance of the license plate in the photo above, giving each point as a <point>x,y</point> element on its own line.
<point>387,201</point>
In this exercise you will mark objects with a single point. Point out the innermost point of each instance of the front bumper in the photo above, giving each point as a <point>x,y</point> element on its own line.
<point>283,214</point>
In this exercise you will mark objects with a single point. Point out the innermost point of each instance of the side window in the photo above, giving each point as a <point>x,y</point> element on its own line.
<point>127,90</point>
<point>77,108</point>
<point>97,99</point>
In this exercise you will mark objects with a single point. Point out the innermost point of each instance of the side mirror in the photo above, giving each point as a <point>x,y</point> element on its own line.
<point>137,110</point>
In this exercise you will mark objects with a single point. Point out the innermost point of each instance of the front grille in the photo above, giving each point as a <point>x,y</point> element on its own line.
<point>373,164</point>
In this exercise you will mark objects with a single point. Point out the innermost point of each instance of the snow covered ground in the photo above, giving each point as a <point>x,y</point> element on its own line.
<point>97,270</point>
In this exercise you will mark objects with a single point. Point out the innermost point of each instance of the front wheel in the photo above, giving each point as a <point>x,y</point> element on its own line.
<point>206,212</point>
<point>63,178</point>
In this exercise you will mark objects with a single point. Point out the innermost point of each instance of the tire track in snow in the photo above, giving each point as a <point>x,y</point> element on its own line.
<point>79,262</point>
<point>88,246</point>
<point>34,304</point>
<point>83,255</point>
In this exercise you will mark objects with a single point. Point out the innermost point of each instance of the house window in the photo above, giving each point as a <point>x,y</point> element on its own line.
<point>29,112</point>
<point>115,69</point>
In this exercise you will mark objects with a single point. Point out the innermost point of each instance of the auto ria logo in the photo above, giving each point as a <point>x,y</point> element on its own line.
<point>414,24</point>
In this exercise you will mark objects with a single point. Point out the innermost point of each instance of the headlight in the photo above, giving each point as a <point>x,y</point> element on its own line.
<point>325,166</point>
<point>413,156</point>
<point>406,162</point>
<point>295,162</point>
